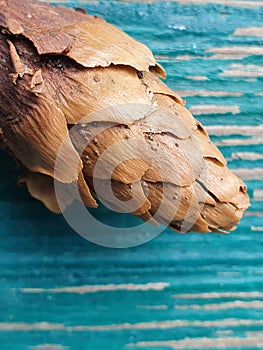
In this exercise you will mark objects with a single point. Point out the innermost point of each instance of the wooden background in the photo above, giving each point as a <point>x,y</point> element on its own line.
<point>192,291</point>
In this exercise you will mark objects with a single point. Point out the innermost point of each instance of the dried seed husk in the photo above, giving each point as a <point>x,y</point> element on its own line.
<point>73,79</point>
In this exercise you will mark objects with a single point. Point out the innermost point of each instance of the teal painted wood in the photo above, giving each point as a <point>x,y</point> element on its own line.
<point>192,291</point>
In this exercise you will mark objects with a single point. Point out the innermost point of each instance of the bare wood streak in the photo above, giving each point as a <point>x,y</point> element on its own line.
<point>247,156</point>
<point>152,307</point>
<point>249,174</point>
<point>235,129</point>
<point>49,347</point>
<point>219,295</point>
<point>214,109</point>
<point>254,31</point>
<point>237,50</point>
<point>243,70</point>
<point>239,142</point>
<point>217,56</point>
<point>203,343</point>
<point>254,213</point>
<point>228,56</point>
<point>257,228</point>
<point>209,93</point>
<point>197,77</point>
<point>99,288</point>
<point>258,195</point>
<point>255,304</point>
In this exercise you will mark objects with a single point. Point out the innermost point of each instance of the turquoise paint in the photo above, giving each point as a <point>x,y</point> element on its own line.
<point>38,249</point>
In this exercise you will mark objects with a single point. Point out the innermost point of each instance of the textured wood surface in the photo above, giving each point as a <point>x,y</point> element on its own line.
<point>192,291</point>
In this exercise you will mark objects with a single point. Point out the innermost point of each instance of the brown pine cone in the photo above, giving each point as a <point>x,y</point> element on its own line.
<point>73,79</point>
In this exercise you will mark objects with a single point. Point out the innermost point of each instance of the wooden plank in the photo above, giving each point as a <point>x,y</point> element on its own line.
<point>178,291</point>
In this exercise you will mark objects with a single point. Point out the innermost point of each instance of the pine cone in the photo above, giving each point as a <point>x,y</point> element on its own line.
<point>74,80</point>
